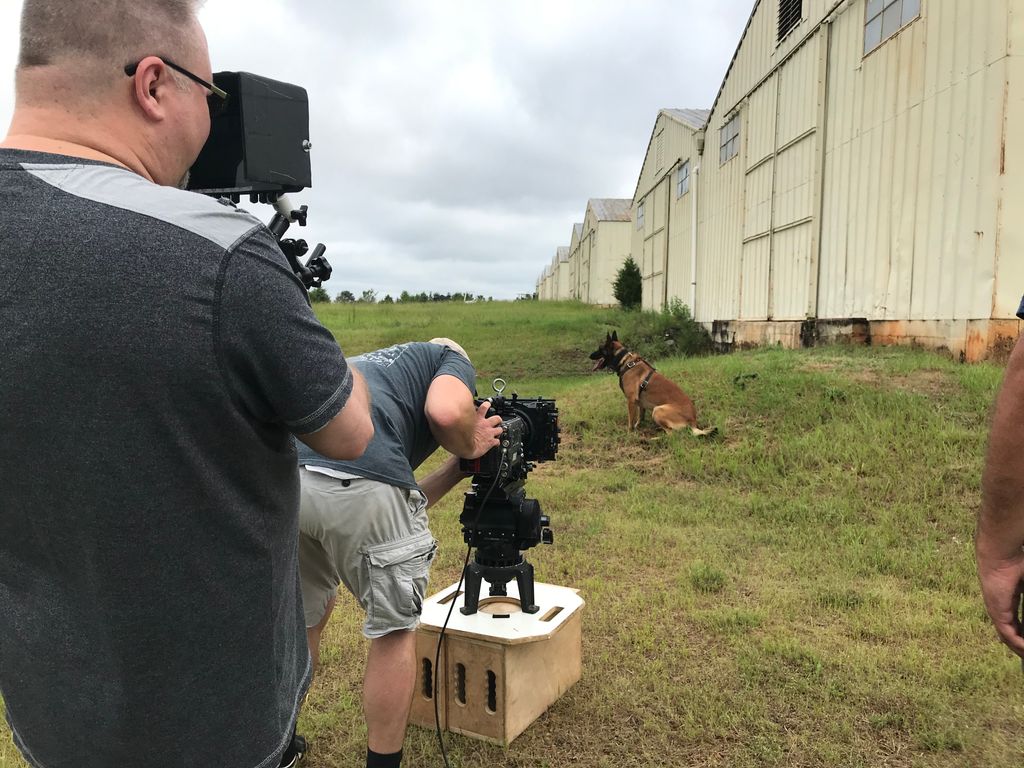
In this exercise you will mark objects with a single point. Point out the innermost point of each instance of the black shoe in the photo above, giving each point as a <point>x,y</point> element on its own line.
<point>295,752</point>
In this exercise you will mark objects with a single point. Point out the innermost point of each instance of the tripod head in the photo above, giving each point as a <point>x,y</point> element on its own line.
<point>317,268</point>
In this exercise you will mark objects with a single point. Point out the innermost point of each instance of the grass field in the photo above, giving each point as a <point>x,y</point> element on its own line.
<point>799,591</point>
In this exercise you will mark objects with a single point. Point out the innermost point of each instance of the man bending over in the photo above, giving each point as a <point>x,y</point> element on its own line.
<point>363,522</point>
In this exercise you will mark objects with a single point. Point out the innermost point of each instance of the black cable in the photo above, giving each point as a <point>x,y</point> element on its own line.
<point>437,660</point>
<point>451,607</point>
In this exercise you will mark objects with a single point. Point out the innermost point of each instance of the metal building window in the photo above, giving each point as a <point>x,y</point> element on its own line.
<point>683,179</point>
<point>640,216</point>
<point>884,18</point>
<point>790,14</point>
<point>730,140</point>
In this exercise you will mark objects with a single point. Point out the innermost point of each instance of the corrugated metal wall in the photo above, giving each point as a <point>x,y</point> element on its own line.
<point>885,168</point>
<point>561,290</point>
<point>757,217</point>
<point>611,241</point>
<point>1009,264</point>
<point>662,248</point>
<point>882,186</point>
<point>680,235</point>
<point>584,268</point>
<point>912,166</point>
<point>720,226</point>
<point>574,265</point>
<point>638,235</point>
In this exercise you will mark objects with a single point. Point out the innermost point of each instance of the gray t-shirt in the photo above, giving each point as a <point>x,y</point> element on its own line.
<point>398,379</point>
<point>156,352</point>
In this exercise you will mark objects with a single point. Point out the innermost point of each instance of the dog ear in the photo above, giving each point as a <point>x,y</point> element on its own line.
<point>608,337</point>
<point>615,335</point>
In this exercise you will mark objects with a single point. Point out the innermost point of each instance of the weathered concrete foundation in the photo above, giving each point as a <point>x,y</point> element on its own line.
<point>965,340</point>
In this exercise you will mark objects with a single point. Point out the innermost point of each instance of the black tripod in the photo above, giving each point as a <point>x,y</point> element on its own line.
<point>498,577</point>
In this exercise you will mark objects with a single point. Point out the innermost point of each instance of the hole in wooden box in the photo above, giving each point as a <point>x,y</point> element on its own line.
<point>460,684</point>
<point>552,613</point>
<point>428,679</point>
<point>492,692</point>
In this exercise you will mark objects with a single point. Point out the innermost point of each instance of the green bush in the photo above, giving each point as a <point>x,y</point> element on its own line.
<point>671,332</point>
<point>628,285</point>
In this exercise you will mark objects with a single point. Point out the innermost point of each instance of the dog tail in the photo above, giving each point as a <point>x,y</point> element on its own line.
<point>709,432</point>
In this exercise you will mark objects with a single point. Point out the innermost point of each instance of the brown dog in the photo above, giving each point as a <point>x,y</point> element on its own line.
<point>647,390</point>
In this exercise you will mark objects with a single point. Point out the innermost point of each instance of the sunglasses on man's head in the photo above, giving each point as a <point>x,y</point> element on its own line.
<point>216,100</point>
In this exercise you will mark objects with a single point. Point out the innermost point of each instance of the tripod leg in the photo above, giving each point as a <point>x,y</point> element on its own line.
<point>472,593</point>
<point>524,578</point>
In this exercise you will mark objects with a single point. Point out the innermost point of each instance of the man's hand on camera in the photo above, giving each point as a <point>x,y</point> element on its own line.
<point>486,431</point>
<point>457,423</point>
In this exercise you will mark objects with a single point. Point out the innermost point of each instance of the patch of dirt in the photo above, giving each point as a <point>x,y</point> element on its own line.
<point>933,383</point>
<point>874,378</point>
<point>930,383</point>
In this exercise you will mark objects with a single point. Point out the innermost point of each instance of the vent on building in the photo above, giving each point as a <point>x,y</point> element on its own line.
<point>790,13</point>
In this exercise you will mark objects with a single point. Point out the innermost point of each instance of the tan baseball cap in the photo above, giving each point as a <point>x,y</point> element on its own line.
<point>440,340</point>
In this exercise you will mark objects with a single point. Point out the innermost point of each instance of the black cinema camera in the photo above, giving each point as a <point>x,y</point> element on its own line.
<point>259,146</point>
<point>497,518</point>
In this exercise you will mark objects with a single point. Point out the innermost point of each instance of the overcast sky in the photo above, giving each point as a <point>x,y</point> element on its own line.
<point>455,142</point>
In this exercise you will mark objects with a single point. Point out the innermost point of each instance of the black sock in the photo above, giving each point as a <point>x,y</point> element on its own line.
<point>377,760</point>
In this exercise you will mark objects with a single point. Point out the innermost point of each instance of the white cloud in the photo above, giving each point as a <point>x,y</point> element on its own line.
<point>456,141</point>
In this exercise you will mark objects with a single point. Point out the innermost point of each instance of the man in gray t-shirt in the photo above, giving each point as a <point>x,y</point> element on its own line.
<point>363,522</point>
<point>156,355</point>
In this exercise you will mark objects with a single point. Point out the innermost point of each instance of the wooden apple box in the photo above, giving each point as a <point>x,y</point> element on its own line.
<point>501,668</point>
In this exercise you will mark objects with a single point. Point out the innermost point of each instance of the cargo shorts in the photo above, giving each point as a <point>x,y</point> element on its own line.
<point>373,538</point>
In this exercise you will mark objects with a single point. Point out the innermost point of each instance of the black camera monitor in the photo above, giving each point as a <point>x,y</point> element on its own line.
<point>260,143</point>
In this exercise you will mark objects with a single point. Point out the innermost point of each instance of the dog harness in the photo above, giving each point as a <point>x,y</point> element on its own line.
<point>620,355</point>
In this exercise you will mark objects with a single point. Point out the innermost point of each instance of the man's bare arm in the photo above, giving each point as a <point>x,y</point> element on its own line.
<point>457,423</point>
<point>441,480</point>
<point>346,436</point>
<point>1000,534</point>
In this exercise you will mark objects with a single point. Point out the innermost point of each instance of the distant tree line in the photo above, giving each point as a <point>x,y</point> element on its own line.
<point>369,296</point>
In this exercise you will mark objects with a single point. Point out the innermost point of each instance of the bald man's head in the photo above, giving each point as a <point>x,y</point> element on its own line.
<point>83,45</point>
